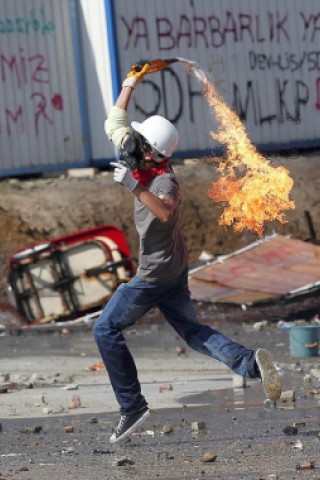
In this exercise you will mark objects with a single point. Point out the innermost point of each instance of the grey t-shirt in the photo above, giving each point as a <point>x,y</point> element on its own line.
<point>163,254</point>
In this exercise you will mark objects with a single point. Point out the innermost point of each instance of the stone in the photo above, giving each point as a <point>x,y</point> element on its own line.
<point>35,429</point>
<point>167,428</point>
<point>165,387</point>
<point>196,426</point>
<point>290,430</point>
<point>122,461</point>
<point>180,350</point>
<point>93,420</point>
<point>209,457</point>
<point>68,429</point>
<point>75,402</point>
<point>70,386</point>
<point>47,410</point>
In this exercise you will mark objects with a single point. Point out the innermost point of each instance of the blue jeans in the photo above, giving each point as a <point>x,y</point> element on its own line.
<point>129,303</point>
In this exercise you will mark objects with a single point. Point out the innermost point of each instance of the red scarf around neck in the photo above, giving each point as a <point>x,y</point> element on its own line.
<point>146,176</point>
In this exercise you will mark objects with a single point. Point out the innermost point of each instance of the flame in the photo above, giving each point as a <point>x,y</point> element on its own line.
<point>252,190</point>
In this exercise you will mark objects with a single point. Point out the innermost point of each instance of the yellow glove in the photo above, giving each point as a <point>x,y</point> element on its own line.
<point>136,74</point>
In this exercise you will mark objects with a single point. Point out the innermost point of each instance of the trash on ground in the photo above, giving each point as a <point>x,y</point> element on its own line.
<point>122,461</point>
<point>305,466</point>
<point>290,430</point>
<point>180,350</point>
<point>276,267</point>
<point>165,387</point>
<point>68,429</point>
<point>97,366</point>
<point>196,426</point>
<point>298,445</point>
<point>68,276</point>
<point>70,386</point>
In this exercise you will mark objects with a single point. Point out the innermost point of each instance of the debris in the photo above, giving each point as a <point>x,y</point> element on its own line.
<point>68,429</point>
<point>148,433</point>
<point>206,281</point>
<point>287,398</point>
<point>315,372</point>
<point>165,386</point>
<point>23,469</point>
<point>307,379</point>
<point>205,256</point>
<point>93,420</point>
<point>180,350</point>
<point>3,389</point>
<point>122,461</point>
<point>36,429</point>
<point>59,410</point>
<point>283,325</point>
<point>238,381</point>
<point>47,410</point>
<point>68,450</point>
<point>167,428</point>
<point>98,268</point>
<point>70,386</point>
<point>164,456</point>
<point>97,366</point>
<point>288,395</point>
<point>196,426</point>
<point>314,392</point>
<point>260,325</point>
<point>297,368</point>
<point>4,377</point>
<point>269,404</point>
<point>305,466</point>
<point>290,430</point>
<point>75,402</point>
<point>299,424</point>
<point>298,445</point>
<point>209,457</point>
<point>5,455</point>
<point>99,451</point>
<point>184,423</point>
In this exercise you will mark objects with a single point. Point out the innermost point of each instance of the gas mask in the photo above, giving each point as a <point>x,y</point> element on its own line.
<point>132,152</point>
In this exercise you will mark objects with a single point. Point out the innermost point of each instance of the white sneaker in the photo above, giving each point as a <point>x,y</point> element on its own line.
<point>269,376</point>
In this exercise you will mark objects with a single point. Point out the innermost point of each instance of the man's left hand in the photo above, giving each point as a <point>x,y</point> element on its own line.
<point>123,175</point>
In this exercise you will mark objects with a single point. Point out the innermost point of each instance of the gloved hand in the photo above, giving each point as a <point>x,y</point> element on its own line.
<point>136,75</point>
<point>123,175</point>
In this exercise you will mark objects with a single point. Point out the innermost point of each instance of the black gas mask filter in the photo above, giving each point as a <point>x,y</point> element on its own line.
<point>132,152</point>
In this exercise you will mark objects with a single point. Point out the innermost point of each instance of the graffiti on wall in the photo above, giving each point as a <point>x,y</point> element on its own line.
<point>25,73</point>
<point>277,47</point>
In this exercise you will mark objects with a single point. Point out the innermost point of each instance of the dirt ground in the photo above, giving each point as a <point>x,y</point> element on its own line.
<point>37,209</point>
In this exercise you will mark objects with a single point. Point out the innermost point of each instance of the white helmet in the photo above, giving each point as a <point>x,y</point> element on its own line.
<point>159,133</point>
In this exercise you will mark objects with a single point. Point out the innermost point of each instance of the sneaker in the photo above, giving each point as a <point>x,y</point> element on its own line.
<point>269,376</point>
<point>128,424</point>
